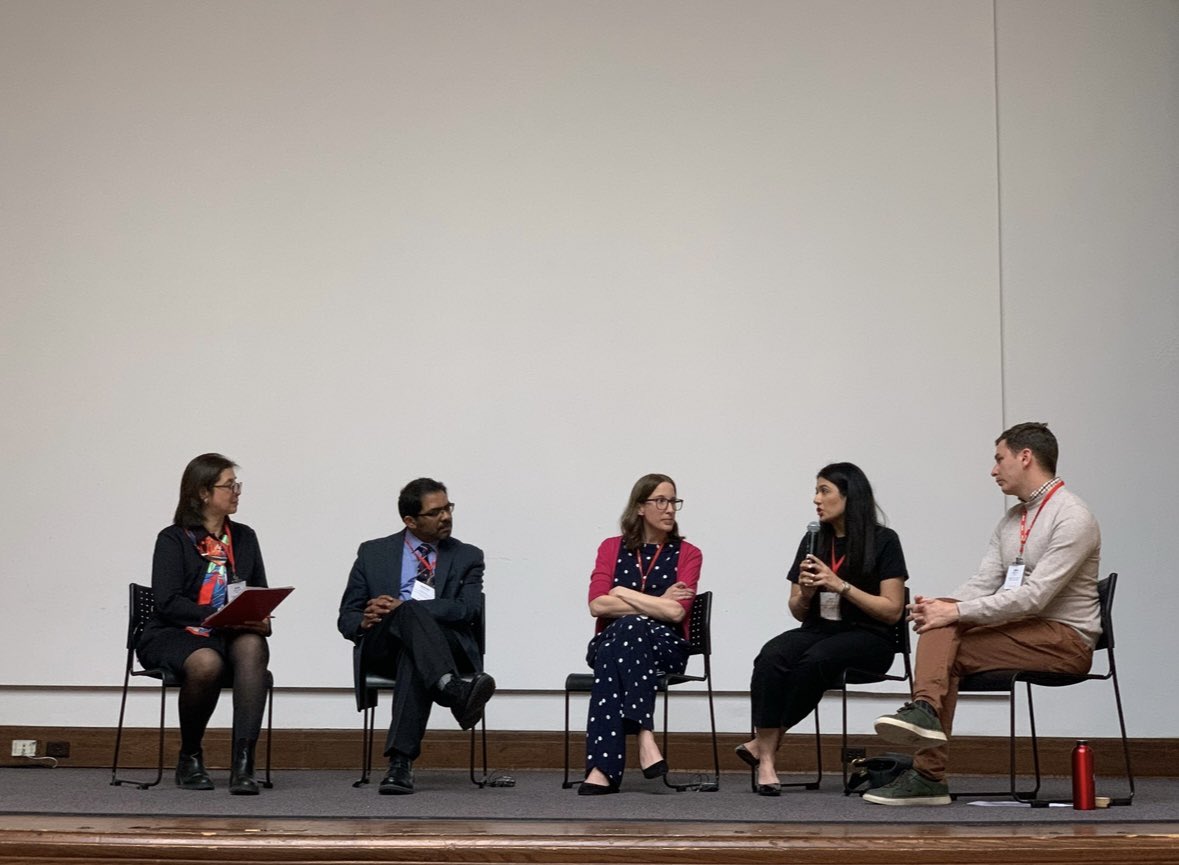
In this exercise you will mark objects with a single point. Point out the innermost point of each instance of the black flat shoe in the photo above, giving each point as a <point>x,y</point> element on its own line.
<point>588,789</point>
<point>769,789</point>
<point>746,756</point>
<point>191,774</point>
<point>656,770</point>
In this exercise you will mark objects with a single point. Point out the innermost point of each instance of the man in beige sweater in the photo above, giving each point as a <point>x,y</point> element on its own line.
<point>1032,605</point>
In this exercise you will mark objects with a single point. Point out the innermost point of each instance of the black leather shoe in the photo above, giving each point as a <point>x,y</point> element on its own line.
<point>398,781</point>
<point>588,789</point>
<point>467,697</point>
<point>191,774</point>
<point>241,772</point>
<point>656,770</point>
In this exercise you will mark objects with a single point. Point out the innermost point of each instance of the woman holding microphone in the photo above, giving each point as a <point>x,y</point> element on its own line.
<point>847,593</point>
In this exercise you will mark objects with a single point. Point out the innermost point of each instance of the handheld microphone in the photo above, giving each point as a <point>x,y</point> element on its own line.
<point>812,530</point>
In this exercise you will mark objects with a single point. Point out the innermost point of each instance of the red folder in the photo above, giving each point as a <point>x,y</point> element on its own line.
<point>253,605</point>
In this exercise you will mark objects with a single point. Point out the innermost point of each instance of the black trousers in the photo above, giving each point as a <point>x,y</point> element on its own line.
<point>795,668</point>
<point>409,645</point>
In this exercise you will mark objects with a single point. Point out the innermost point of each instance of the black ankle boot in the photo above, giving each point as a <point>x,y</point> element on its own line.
<point>241,772</point>
<point>191,774</point>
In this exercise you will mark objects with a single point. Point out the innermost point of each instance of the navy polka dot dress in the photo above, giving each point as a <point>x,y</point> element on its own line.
<point>627,658</point>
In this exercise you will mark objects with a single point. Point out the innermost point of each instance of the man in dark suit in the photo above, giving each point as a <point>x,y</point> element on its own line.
<point>410,606</point>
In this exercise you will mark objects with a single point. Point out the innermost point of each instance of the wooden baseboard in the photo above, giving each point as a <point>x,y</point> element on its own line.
<point>527,749</point>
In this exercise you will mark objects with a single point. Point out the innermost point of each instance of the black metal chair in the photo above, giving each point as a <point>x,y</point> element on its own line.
<point>993,681</point>
<point>855,676</point>
<point>141,608</point>
<point>368,684</point>
<point>700,640</point>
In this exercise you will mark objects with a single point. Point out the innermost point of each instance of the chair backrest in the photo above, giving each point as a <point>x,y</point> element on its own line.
<point>1105,596</point>
<point>141,606</point>
<point>700,625</point>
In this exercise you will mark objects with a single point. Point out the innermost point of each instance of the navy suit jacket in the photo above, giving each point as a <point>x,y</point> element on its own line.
<point>458,590</point>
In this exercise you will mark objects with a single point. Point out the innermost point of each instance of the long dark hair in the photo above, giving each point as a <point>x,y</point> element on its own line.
<point>631,523</point>
<point>199,476</point>
<point>861,516</point>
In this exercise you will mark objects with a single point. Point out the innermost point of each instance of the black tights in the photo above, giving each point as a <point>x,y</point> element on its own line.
<point>204,670</point>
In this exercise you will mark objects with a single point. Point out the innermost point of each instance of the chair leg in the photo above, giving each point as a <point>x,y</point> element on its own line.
<point>1026,796</point>
<point>666,782</point>
<point>813,785</point>
<point>843,741</point>
<point>142,785</point>
<point>115,782</point>
<point>268,783</point>
<point>1121,800</point>
<point>367,727</point>
<point>715,786</point>
<point>702,786</point>
<point>1035,791</point>
<point>566,783</point>
<point>480,782</point>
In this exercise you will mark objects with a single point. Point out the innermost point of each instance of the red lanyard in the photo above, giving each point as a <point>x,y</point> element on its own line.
<point>836,565</point>
<point>1024,528</point>
<point>651,567</point>
<point>425,562</point>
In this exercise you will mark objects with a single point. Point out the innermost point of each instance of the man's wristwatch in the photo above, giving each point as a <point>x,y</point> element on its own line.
<point>845,588</point>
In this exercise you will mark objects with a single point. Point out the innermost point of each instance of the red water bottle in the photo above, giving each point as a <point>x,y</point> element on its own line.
<point>1083,793</point>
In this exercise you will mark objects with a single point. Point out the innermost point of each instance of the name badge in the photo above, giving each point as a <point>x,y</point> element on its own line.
<point>1014,576</point>
<point>232,590</point>
<point>422,592</point>
<point>829,606</point>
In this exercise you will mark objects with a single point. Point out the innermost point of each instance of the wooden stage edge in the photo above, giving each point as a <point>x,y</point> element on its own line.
<point>49,840</point>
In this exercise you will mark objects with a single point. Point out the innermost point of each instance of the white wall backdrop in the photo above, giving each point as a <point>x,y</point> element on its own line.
<point>536,249</point>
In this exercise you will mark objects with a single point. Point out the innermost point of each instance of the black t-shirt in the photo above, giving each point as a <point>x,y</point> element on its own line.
<point>889,564</point>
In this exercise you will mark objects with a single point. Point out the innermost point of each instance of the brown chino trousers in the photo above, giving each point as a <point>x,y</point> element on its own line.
<point>945,655</point>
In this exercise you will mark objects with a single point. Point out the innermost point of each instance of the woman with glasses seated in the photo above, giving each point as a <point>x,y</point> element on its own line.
<point>848,593</point>
<point>199,562</point>
<point>640,592</point>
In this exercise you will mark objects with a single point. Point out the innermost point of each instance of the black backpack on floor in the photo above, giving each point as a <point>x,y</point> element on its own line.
<point>868,773</point>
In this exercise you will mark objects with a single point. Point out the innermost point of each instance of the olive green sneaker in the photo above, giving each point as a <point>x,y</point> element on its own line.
<point>913,724</point>
<point>910,788</point>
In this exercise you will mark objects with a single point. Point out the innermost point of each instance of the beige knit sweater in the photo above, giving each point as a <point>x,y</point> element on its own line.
<point>1061,560</point>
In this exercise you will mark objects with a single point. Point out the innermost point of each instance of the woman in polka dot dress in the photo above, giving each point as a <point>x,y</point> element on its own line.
<point>640,592</point>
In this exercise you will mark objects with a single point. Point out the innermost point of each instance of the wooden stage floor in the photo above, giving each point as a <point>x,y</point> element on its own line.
<point>47,839</point>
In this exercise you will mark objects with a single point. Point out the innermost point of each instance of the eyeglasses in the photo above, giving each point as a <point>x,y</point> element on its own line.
<point>662,504</point>
<point>437,512</point>
<point>235,487</point>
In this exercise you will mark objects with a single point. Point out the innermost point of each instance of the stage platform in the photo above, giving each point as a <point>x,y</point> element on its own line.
<point>74,816</point>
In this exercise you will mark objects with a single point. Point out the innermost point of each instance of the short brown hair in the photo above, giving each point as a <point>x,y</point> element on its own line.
<point>1037,438</point>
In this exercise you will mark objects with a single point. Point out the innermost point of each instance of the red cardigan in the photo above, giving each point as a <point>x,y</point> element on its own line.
<point>602,579</point>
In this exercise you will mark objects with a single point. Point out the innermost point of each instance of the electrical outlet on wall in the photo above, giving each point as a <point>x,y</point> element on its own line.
<point>24,747</point>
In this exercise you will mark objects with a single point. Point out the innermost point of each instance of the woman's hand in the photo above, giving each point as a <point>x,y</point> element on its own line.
<point>678,592</point>
<point>814,575</point>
